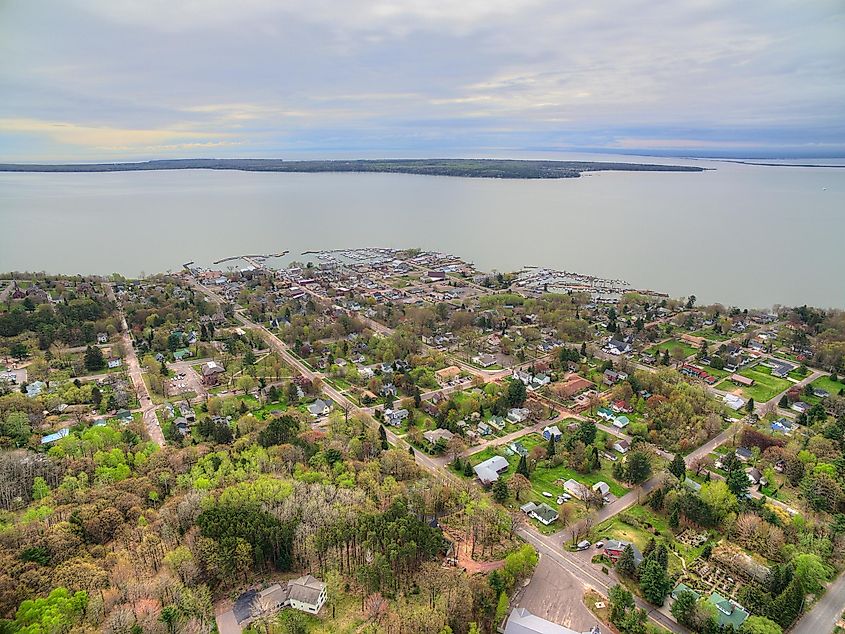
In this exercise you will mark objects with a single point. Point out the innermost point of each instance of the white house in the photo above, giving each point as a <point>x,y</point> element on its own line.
<point>576,489</point>
<point>489,470</point>
<point>319,408</point>
<point>518,414</point>
<point>552,431</point>
<point>306,594</point>
<point>622,446</point>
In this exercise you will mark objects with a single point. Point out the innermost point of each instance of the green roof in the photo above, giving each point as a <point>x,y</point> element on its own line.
<point>682,587</point>
<point>727,612</point>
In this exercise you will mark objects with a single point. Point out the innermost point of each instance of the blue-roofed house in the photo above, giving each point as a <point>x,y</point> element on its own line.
<point>51,438</point>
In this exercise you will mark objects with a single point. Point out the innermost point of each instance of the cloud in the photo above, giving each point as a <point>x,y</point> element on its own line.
<point>272,76</point>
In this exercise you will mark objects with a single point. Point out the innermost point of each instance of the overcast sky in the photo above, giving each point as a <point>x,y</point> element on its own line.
<point>118,79</point>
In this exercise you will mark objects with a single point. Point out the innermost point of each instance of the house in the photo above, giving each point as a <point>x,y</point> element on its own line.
<point>538,381</point>
<point>518,448</point>
<point>181,354</point>
<point>741,380</point>
<point>518,414</point>
<point>489,470</point>
<point>617,348</point>
<point>744,454</point>
<point>435,276</point>
<point>319,408</point>
<point>544,514</point>
<point>621,407</point>
<point>306,594</point>
<point>211,372</point>
<point>576,489</point>
<point>181,425</point>
<point>521,621</point>
<point>622,446</point>
<point>35,388</point>
<point>801,407</point>
<point>603,489</point>
<point>523,376</point>
<point>388,389</point>
<point>682,587</point>
<point>606,414</point>
<point>114,363</point>
<point>621,422</point>
<point>733,401</point>
<point>9,377</point>
<point>448,374</point>
<point>484,360</point>
<point>755,476</point>
<point>102,337</point>
<point>484,429</point>
<point>614,548</point>
<point>612,377</point>
<point>552,432</point>
<point>820,393</point>
<point>728,612</point>
<point>124,416</point>
<point>187,411</point>
<point>51,438</point>
<point>782,426</point>
<point>395,417</point>
<point>434,436</point>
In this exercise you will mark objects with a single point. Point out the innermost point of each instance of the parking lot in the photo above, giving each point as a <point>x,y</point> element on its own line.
<point>555,595</point>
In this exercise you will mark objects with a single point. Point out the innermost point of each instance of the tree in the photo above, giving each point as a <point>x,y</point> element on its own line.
<point>760,625</point>
<point>749,406</point>
<point>468,471</point>
<point>502,607</point>
<point>40,490</point>
<point>783,402</point>
<point>738,482</point>
<point>637,467</point>
<point>811,571</point>
<point>517,393</point>
<point>518,484</point>
<point>654,581</point>
<point>19,350</point>
<point>626,564</point>
<point>500,490</point>
<point>550,449</point>
<point>683,607</point>
<point>678,467</point>
<point>522,467</point>
<point>94,359</point>
<point>621,600</point>
<point>279,431</point>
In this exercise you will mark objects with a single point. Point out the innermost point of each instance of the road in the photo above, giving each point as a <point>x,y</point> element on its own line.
<point>133,368</point>
<point>822,618</point>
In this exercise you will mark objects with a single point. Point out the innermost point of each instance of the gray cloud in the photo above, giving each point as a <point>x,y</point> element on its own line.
<point>111,79</point>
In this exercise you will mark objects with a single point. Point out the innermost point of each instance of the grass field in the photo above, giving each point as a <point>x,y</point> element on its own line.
<point>825,383</point>
<point>712,335</point>
<point>670,345</point>
<point>765,387</point>
<point>543,478</point>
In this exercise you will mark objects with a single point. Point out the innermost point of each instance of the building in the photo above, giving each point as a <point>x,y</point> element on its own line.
<point>728,612</point>
<point>622,446</point>
<point>742,380</point>
<point>211,372</point>
<point>544,514</point>
<point>434,436</point>
<point>733,401</point>
<point>319,408</point>
<point>395,417</point>
<point>489,470</point>
<point>603,489</point>
<point>306,594</point>
<point>614,548</point>
<point>576,489</point>
<point>521,621</point>
<point>518,414</point>
<point>552,431</point>
<point>484,360</point>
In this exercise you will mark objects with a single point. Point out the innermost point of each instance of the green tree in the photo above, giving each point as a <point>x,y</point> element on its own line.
<point>502,607</point>
<point>94,359</point>
<point>522,466</point>
<point>621,600</point>
<point>760,625</point>
<point>637,467</point>
<point>550,449</point>
<point>738,482</point>
<point>516,393</point>
<point>683,607</point>
<point>626,564</point>
<point>811,571</point>
<point>749,405</point>
<point>654,582</point>
<point>58,613</point>
<point>40,490</point>
<point>678,467</point>
<point>500,490</point>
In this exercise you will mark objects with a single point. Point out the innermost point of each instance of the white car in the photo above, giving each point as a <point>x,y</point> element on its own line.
<point>547,494</point>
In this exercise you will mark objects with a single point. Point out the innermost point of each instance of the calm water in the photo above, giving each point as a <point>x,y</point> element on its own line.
<point>746,235</point>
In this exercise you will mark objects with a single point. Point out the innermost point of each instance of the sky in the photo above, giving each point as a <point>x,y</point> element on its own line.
<point>112,80</point>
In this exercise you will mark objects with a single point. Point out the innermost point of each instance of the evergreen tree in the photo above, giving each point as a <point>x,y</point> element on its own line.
<point>626,564</point>
<point>674,519</point>
<point>784,401</point>
<point>678,467</point>
<point>749,406</point>
<point>500,490</point>
<point>738,482</point>
<point>468,472</point>
<point>649,548</point>
<point>522,467</point>
<point>94,359</point>
<point>550,450</point>
<point>683,607</point>
<point>654,582</point>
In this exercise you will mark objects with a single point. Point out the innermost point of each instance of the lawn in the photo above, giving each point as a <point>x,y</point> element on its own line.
<point>544,478</point>
<point>671,345</point>
<point>766,386</point>
<point>826,383</point>
<point>712,335</point>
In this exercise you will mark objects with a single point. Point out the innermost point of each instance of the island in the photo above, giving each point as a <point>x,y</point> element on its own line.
<point>468,168</point>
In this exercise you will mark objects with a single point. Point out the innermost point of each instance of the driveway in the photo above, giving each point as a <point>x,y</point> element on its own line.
<point>555,595</point>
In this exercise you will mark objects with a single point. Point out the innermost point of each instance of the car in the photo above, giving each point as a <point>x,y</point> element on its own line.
<point>599,544</point>
<point>583,545</point>
<point>546,494</point>
<point>560,499</point>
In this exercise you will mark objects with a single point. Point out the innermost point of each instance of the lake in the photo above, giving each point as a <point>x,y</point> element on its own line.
<point>740,234</point>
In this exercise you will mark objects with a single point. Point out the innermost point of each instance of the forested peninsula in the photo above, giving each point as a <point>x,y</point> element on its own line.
<point>473,168</point>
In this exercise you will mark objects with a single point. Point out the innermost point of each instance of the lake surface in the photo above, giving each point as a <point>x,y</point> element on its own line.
<point>741,234</point>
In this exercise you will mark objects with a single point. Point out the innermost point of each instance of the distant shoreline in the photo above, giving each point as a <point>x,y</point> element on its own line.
<point>468,168</point>
<point>761,164</point>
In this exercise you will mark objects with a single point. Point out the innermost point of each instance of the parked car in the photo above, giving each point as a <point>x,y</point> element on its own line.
<point>547,494</point>
<point>599,544</point>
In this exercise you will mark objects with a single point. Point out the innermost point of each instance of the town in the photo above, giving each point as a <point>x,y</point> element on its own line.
<point>385,440</point>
